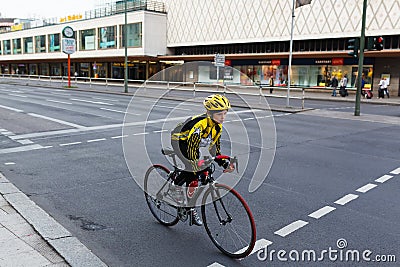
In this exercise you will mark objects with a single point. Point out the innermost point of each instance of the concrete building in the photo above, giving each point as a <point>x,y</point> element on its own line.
<point>253,35</point>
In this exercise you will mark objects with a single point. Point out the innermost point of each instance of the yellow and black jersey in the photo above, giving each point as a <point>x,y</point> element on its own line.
<point>195,132</point>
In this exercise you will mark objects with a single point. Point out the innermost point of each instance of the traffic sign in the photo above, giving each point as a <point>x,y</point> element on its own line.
<point>68,45</point>
<point>219,60</point>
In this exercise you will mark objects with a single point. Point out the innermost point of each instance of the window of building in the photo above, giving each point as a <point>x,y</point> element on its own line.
<point>54,43</point>
<point>40,43</point>
<point>28,45</point>
<point>107,37</point>
<point>6,47</point>
<point>87,39</point>
<point>134,33</point>
<point>1,50</point>
<point>17,46</point>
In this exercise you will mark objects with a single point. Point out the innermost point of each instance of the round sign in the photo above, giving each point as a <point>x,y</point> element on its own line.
<point>68,32</point>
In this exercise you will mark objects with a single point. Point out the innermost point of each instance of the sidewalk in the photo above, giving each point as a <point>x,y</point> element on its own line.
<point>30,237</point>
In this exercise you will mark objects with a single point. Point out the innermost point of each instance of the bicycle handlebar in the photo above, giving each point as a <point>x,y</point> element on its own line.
<point>208,160</point>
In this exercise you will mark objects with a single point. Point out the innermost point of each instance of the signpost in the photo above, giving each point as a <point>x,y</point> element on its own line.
<point>219,62</point>
<point>68,47</point>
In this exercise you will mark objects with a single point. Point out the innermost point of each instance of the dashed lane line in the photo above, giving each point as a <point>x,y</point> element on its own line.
<point>92,102</point>
<point>366,188</point>
<point>383,178</point>
<point>96,140</point>
<point>70,144</point>
<point>396,171</point>
<point>260,244</point>
<point>58,101</point>
<point>321,212</point>
<point>119,136</point>
<point>290,228</point>
<point>346,199</point>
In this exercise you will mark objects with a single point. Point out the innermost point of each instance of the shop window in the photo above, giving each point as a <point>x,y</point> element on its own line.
<point>17,46</point>
<point>107,37</point>
<point>54,43</point>
<point>28,45</point>
<point>40,44</point>
<point>87,39</point>
<point>6,47</point>
<point>134,35</point>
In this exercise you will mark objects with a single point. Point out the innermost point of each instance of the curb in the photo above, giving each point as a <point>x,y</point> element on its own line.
<point>69,247</point>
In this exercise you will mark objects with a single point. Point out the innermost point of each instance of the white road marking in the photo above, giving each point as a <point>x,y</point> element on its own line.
<point>160,131</point>
<point>70,144</point>
<point>61,102</point>
<point>383,178</point>
<point>140,133</point>
<point>346,199</point>
<point>96,140</point>
<point>92,102</point>
<point>216,264</point>
<point>63,94</point>
<point>260,244</point>
<point>288,229</point>
<point>17,95</point>
<point>20,149</point>
<point>366,188</point>
<point>321,212</point>
<point>396,171</point>
<point>120,111</point>
<point>161,106</point>
<point>120,136</point>
<point>57,120</point>
<point>9,163</point>
<point>100,98</point>
<point>10,108</point>
<point>25,142</point>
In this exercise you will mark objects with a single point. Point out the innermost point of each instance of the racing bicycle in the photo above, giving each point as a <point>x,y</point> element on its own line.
<point>226,216</point>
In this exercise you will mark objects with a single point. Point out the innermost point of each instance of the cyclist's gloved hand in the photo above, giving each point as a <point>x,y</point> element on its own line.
<point>229,167</point>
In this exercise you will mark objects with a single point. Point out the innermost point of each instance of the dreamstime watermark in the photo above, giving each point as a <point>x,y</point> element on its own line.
<point>339,253</point>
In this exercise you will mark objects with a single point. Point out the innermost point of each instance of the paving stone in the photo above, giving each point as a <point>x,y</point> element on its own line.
<point>24,259</point>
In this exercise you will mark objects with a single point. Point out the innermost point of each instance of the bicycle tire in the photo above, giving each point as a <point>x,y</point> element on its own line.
<point>156,176</point>
<point>235,238</point>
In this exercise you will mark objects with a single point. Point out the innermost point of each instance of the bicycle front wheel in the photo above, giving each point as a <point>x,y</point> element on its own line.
<point>228,221</point>
<point>156,186</point>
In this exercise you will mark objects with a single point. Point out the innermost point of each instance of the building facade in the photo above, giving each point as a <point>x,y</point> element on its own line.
<point>253,35</point>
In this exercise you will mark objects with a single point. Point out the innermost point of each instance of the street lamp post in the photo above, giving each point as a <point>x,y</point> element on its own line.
<point>126,48</point>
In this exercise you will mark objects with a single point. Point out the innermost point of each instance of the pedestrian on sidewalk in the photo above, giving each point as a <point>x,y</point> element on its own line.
<point>334,84</point>
<point>343,84</point>
<point>382,88</point>
<point>271,84</point>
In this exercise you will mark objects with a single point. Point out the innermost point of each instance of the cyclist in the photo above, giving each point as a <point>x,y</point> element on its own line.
<point>200,131</point>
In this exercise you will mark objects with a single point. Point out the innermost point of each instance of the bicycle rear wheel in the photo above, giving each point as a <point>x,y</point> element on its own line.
<point>228,221</point>
<point>156,186</point>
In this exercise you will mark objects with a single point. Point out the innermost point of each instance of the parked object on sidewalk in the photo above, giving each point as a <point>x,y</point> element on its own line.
<point>368,94</point>
<point>343,92</point>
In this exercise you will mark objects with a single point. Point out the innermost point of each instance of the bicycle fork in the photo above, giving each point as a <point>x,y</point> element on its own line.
<point>216,198</point>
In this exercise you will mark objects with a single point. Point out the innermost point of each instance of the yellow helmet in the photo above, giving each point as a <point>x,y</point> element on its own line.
<point>216,102</point>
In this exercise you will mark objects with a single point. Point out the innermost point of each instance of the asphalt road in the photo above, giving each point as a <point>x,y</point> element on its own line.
<point>330,190</point>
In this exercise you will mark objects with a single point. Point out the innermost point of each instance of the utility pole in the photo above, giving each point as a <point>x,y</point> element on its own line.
<point>360,60</point>
<point>126,48</point>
